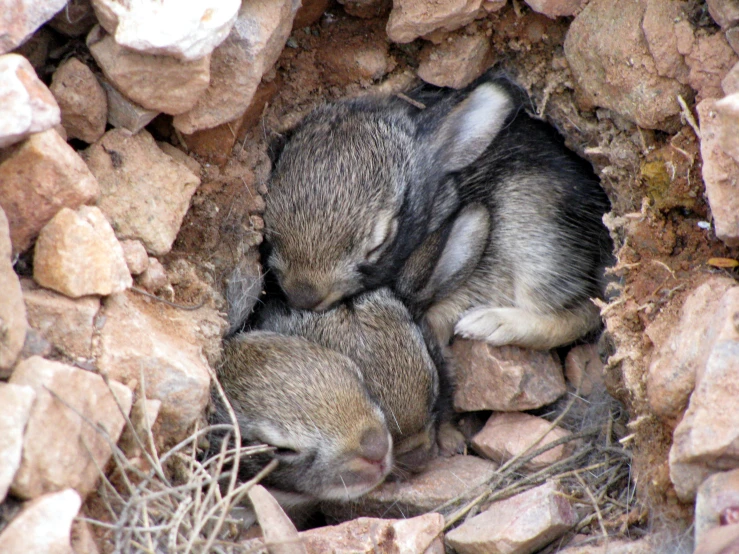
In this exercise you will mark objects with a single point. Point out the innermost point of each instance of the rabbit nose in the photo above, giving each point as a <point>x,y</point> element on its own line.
<point>304,296</point>
<point>374,445</point>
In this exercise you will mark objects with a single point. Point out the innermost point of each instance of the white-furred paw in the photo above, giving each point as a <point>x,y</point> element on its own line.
<point>496,326</point>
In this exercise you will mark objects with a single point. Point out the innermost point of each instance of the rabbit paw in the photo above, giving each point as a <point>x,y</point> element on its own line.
<point>496,326</point>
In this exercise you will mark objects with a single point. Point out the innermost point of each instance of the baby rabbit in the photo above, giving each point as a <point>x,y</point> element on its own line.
<point>311,404</point>
<point>360,184</point>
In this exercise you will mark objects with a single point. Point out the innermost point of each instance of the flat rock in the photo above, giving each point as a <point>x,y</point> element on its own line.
<point>124,113</point>
<point>13,323</point>
<point>135,255</point>
<point>556,8</point>
<point>442,480</point>
<point>660,32</point>
<point>717,503</point>
<point>75,20</point>
<point>43,526</point>
<point>584,369</point>
<point>81,99</point>
<point>682,352</point>
<point>613,68</point>
<point>38,177</point>
<point>730,82</point>
<point>60,449</point>
<point>710,59</point>
<point>26,105</point>
<point>185,30</point>
<point>162,346</point>
<point>77,254</point>
<point>237,65</point>
<point>707,438</point>
<point>144,192</point>
<point>724,12</point>
<point>509,434</point>
<point>66,323</point>
<point>21,18</point>
<point>732,37</point>
<point>410,19</point>
<point>719,540</point>
<point>720,174</point>
<point>727,122</point>
<point>505,379</point>
<point>519,525</point>
<point>457,61</point>
<point>15,407</point>
<point>158,83</point>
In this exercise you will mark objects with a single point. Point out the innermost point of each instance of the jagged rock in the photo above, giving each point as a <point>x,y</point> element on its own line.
<point>185,30</point>
<point>43,526</point>
<point>521,524</point>
<point>442,480</point>
<point>180,156</point>
<point>13,323</point>
<point>732,37</point>
<point>719,540</point>
<point>15,407</point>
<point>493,5</point>
<point>727,122</point>
<point>21,18</point>
<point>508,434</point>
<point>154,277</point>
<point>81,100</point>
<point>164,347</point>
<point>125,114</point>
<point>38,177</point>
<point>608,55</point>
<point>724,12</point>
<point>135,255</point>
<point>584,369</point>
<point>64,446</point>
<point>144,192</point>
<point>730,83</point>
<point>720,174</point>
<point>75,20</point>
<point>65,323</point>
<point>660,31</point>
<point>717,498</point>
<point>411,19</point>
<point>710,59</point>
<point>707,438</point>
<point>157,83</point>
<point>457,61</point>
<point>556,8</point>
<point>504,378</point>
<point>77,254</point>
<point>26,105</point>
<point>237,66</point>
<point>680,357</point>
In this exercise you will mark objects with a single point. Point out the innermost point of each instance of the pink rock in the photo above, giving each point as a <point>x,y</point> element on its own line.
<point>75,20</point>
<point>21,18</point>
<point>15,407</point>
<point>457,61</point>
<point>730,83</point>
<point>613,68</point>
<point>720,174</point>
<point>509,434</point>
<point>710,59</point>
<point>154,278</point>
<point>13,324</point>
<point>38,177</point>
<point>724,12</point>
<point>124,113</point>
<point>26,105</point>
<point>556,8</point>
<point>732,37</point>
<point>716,497</point>
<point>411,19</point>
<point>519,525</point>
<point>660,31</point>
<point>506,378</point>
<point>135,254</point>
<point>584,370</point>
<point>727,121</point>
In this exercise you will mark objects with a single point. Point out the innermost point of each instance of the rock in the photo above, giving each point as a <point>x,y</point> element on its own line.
<point>710,59</point>
<point>21,18</point>
<point>157,83</point>
<point>125,114</point>
<point>75,20</point>
<point>179,156</point>
<point>720,540</point>
<point>660,33</point>
<point>442,480</point>
<point>135,255</point>
<point>61,449</point>
<point>309,12</point>
<point>188,31</point>
<point>732,37</point>
<point>363,57</point>
<point>81,99</point>
<point>252,48</point>
<point>38,177</point>
<point>724,12</point>
<point>681,356</point>
<point>143,415</point>
<point>519,525</point>
<point>65,323</point>
<point>504,378</point>
<point>720,174</point>
<point>366,9</point>
<point>727,121</point>
<point>411,19</point>
<point>509,434</point>
<point>584,369</point>
<point>15,407</point>
<point>26,105</point>
<point>456,62</point>
<point>13,323</point>
<point>707,438</point>
<point>730,83</point>
<point>162,346</point>
<point>43,526</point>
<point>556,8</point>
<point>77,254</point>
<point>144,192</point>
<point>154,278</point>
<point>608,55</point>
<point>618,546</point>
<point>717,497</point>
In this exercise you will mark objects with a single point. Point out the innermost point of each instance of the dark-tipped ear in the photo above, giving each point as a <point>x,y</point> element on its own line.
<point>468,129</point>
